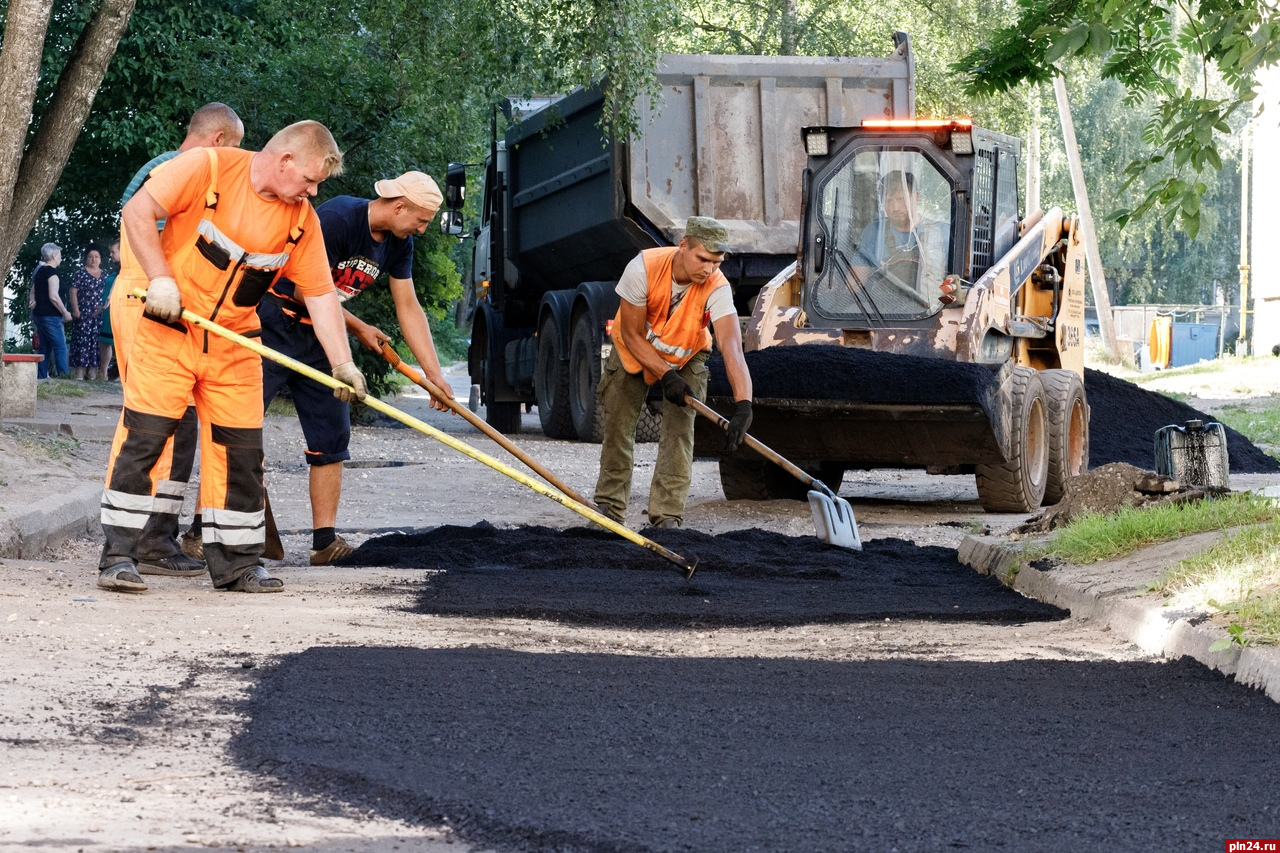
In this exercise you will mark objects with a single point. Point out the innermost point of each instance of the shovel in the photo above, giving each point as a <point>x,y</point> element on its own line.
<point>832,516</point>
<point>476,421</point>
<point>686,566</point>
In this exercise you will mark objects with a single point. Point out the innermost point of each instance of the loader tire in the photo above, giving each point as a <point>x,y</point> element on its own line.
<point>1067,425</point>
<point>551,385</point>
<point>1017,484</point>
<point>756,479</point>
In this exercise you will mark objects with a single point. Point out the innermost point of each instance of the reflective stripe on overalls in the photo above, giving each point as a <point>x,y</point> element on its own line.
<point>220,279</point>
<point>678,336</point>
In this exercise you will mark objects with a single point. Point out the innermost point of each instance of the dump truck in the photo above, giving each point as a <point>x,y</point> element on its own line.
<point>913,244</point>
<point>566,205</point>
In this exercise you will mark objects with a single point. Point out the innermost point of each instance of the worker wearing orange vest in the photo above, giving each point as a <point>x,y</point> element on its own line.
<point>669,298</point>
<point>236,220</point>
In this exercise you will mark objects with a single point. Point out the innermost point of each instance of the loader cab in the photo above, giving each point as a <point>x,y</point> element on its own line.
<point>900,216</point>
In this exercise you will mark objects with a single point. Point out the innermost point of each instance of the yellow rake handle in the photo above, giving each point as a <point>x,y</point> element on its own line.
<point>393,358</point>
<point>687,566</point>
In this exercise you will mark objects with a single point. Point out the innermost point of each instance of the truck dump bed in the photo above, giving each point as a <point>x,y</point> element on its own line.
<point>723,140</point>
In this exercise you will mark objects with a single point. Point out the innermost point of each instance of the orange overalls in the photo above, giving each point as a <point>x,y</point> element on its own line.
<point>170,363</point>
<point>177,460</point>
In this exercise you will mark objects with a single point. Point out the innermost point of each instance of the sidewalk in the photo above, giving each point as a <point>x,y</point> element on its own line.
<point>1114,594</point>
<point>48,519</point>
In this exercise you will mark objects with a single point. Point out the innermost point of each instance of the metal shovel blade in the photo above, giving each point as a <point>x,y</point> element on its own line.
<point>833,521</point>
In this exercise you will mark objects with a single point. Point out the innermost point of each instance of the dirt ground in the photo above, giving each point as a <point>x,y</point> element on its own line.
<point>124,719</point>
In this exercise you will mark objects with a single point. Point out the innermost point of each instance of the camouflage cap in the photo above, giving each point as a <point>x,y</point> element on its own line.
<point>711,233</point>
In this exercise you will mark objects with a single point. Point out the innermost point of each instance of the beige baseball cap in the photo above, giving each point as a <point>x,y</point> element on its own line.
<point>416,187</point>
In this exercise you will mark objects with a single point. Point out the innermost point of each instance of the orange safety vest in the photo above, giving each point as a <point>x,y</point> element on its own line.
<point>677,337</point>
<point>217,277</point>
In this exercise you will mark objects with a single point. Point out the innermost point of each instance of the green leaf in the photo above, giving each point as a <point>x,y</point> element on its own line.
<point>1221,645</point>
<point>1191,224</point>
<point>1099,38</point>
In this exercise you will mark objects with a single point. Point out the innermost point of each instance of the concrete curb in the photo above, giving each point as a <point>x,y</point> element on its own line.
<point>51,521</point>
<point>1114,594</point>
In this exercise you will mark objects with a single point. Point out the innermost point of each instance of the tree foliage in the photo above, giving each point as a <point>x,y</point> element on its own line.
<point>1148,47</point>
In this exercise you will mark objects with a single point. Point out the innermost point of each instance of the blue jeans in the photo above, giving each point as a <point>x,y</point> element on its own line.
<point>53,346</point>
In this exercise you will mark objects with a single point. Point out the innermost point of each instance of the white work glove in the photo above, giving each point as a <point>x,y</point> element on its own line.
<point>347,372</point>
<point>163,299</point>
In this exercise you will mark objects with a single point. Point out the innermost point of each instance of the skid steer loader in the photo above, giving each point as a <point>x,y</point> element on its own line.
<point>912,244</point>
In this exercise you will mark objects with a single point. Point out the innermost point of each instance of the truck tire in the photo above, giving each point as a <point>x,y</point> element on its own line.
<point>1067,425</point>
<point>1017,484</point>
<point>551,385</point>
<point>649,426</point>
<point>504,417</point>
<point>757,479</point>
<point>584,376</point>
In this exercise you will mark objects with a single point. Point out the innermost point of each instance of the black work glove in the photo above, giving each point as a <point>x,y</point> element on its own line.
<point>738,425</point>
<point>674,388</point>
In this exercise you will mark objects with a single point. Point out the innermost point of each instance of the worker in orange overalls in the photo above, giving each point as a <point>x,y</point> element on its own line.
<point>235,221</point>
<point>212,126</point>
<point>669,297</point>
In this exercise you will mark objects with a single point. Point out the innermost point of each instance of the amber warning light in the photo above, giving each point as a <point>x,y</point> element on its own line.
<point>957,132</point>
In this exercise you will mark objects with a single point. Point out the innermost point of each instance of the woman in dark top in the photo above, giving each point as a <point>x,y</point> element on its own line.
<point>48,313</point>
<point>87,302</point>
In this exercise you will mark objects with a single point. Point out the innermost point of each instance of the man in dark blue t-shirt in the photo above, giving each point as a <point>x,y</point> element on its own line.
<point>364,238</point>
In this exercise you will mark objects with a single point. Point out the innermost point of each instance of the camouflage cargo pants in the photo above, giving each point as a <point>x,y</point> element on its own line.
<point>622,395</point>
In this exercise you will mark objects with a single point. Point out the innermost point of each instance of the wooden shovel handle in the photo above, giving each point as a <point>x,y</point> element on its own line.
<point>765,451</point>
<point>475,420</point>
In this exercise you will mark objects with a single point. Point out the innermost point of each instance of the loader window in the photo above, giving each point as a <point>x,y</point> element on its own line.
<point>886,218</point>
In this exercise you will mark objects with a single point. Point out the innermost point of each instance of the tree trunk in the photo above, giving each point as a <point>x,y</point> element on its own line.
<point>26,23</point>
<point>47,155</point>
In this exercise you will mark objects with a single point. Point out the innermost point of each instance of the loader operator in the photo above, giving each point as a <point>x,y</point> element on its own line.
<point>214,125</point>
<point>235,220</point>
<point>669,297</point>
<point>362,238</point>
<point>908,251</point>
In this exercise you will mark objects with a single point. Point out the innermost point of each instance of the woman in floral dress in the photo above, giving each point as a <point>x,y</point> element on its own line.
<point>87,304</point>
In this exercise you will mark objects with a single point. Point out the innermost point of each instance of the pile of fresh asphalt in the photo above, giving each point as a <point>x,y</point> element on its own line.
<point>1123,418</point>
<point>541,751</point>
<point>748,577</point>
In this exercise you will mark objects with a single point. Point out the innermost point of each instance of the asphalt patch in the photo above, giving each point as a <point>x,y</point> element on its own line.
<point>1123,417</point>
<point>595,752</point>
<point>748,577</point>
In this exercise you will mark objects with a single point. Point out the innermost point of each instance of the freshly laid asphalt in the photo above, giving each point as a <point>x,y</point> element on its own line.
<point>584,576</point>
<point>596,752</point>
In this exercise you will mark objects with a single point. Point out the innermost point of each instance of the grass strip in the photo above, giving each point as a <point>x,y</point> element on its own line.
<point>1101,537</point>
<point>1259,425</point>
<point>1239,576</point>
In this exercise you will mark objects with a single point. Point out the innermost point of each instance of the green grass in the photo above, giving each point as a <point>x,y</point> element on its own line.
<point>1216,366</point>
<point>1261,426</point>
<point>41,444</point>
<point>51,389</point>
<point>1101,537</point>
<point>1239,577</point>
